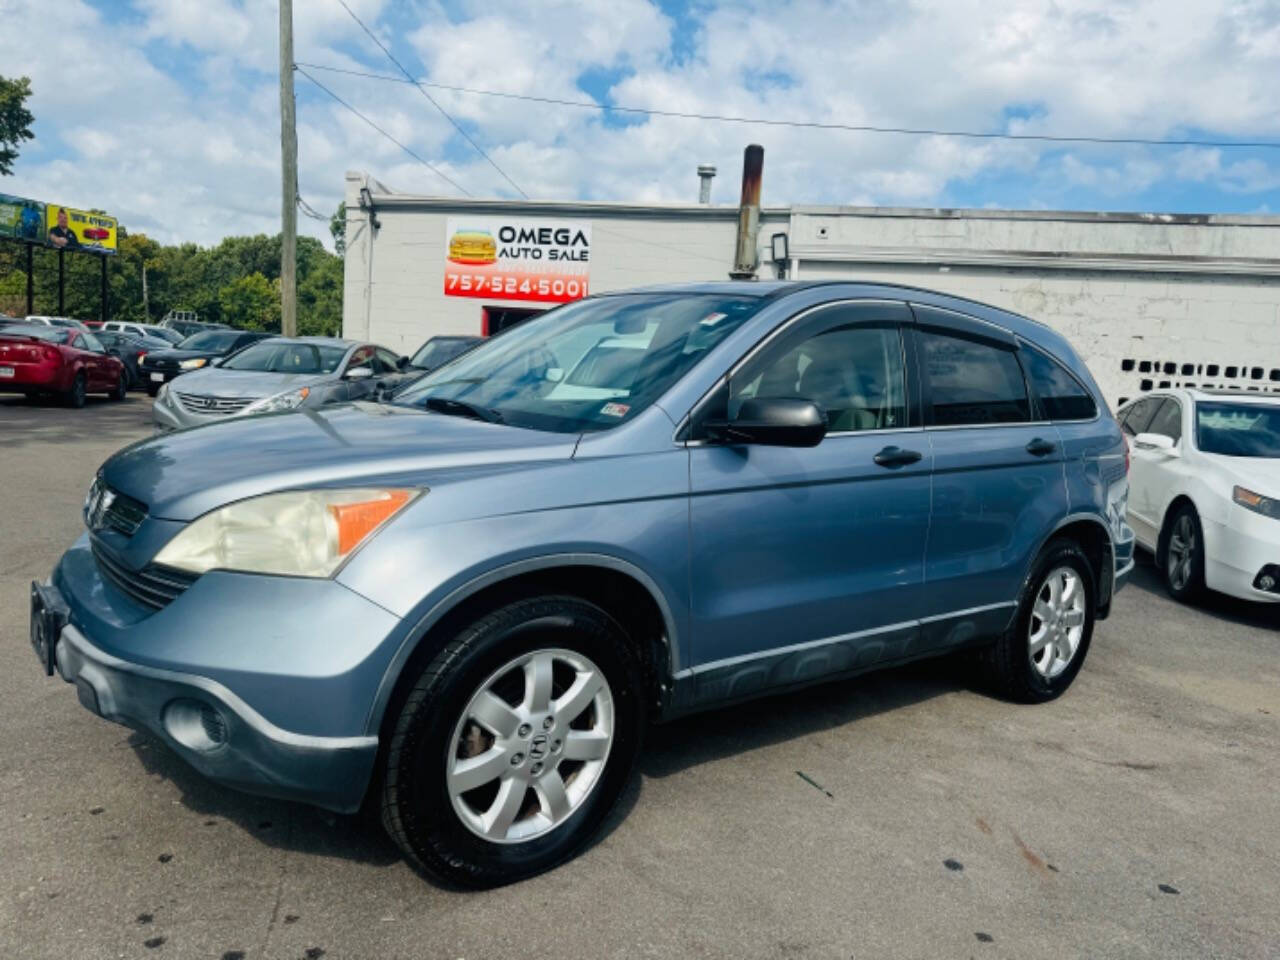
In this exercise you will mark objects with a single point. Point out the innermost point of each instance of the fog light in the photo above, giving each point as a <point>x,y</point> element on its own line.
<point>195,725</point>
<point>1268,579</point>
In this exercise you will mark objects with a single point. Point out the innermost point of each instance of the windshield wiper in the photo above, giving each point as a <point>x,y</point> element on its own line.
<point>461,408</point>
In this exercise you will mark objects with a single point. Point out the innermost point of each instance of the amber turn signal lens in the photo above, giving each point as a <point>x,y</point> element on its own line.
<point>357,520</point>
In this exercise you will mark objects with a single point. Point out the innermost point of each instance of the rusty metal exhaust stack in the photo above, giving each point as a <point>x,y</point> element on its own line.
<point>745,259</point>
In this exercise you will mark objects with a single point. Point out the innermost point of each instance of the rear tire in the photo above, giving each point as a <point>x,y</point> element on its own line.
<point>1181,554</point>
<point>153,389</point>
<point>541,797</point>
<point>75,396</point>
<point>1041,652</point>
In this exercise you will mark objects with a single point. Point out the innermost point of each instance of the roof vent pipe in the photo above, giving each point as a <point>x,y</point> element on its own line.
<point>706,173</point>
<point>745,258</point>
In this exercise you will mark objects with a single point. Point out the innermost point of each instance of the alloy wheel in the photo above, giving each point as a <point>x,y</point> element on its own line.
<point>1181,551</point>
<point>530,745</point>
<point>1057,622</point>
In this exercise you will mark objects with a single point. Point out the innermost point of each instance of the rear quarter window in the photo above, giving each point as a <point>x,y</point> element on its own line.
<point>1059,394</point>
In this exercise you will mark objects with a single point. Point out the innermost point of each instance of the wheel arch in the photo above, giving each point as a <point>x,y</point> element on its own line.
<point>1175,504</point>
<point>1092,534</point>
<point>620,588</point>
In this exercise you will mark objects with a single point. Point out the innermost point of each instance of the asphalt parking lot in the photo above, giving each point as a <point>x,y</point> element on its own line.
<point>903,814</point>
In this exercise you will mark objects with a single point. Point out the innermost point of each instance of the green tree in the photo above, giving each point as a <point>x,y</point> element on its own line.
<point>251,303</point>
<point>338,229</point>
<point>15,120</point>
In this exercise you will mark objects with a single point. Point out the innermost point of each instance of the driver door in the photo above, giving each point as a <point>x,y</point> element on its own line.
<point>810,561</point>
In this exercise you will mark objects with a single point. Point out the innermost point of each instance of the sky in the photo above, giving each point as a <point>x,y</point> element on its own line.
<point>165,113</point>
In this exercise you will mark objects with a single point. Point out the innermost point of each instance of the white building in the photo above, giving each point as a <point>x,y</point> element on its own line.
<point>1150,300</point>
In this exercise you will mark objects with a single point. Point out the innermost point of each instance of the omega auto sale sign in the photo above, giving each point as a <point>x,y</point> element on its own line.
<point>493,257</point>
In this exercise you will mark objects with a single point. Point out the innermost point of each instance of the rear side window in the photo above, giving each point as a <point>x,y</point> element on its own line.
<point>1060,395</point>
<point>970,382</point>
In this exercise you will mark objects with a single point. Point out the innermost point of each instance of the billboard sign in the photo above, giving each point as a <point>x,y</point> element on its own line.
<point>545,261</point>
<point>21,219</point>
<point>69,229</point>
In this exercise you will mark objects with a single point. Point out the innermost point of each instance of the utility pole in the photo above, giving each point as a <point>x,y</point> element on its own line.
<point>289,178</point>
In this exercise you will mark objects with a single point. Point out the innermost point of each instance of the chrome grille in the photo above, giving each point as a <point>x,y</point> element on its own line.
<point>212,406</point>
<point>152,586</point>
<point>105,508</point>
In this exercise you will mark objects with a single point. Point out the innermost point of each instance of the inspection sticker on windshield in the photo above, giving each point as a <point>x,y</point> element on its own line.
<point>615,409</point>
<point>711,319</point>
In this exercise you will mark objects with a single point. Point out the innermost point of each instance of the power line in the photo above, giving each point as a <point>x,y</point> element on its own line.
<point>431,100</point>
<point>807,124</point>
<point>310,211</point>
<point>457,186</point>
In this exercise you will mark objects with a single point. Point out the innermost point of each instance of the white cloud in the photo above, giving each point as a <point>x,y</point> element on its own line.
<point>167,115</point>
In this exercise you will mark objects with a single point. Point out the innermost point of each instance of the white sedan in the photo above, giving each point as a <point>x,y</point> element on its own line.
<point>1204,489</point>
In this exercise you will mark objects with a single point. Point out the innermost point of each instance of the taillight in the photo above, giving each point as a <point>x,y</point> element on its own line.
<point>141,354</point>
<point>52,355</point>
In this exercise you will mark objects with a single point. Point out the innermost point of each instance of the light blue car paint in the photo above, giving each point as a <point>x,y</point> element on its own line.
<point>771,566</point>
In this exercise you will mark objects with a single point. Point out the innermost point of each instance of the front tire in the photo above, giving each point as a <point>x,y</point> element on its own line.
<point>122,388</point>
<point>1036,659</point>
<point>1181,555</point>
<point>514,743</point>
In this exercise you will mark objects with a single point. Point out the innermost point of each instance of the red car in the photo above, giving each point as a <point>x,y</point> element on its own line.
<point>62,360</point>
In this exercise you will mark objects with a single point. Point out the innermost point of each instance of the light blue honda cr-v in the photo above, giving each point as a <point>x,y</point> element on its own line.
<point>466,606</point>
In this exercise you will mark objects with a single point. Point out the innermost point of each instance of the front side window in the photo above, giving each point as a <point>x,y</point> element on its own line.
<point>1061,396</point>
<point>271,356</point>
<point>970,382</point>
<point>1167,421</point>
<point>1238,429</point>
<point>1135,419</point>
<point>93,343</point>
<point>586,366</point>
<point>854,373</point>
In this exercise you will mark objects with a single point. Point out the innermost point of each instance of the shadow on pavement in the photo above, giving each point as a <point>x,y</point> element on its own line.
<point>24,422</point>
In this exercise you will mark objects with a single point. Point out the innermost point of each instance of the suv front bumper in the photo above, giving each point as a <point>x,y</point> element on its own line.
<point>214,730</point>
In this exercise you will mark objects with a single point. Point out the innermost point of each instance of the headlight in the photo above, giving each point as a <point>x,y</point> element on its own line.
<point>1256,502</point>
<point>193,364</point>
<point>281,401</point>
<point>303,533</point>
<point>163,392</point>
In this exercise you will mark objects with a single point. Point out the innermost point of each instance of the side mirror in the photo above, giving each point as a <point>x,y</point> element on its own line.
<point>358,373</point>
<point>1158,442</point>
<point>113,351</point>
<point>774,422</point>
<point>403,363</point>
<point>555,374</point>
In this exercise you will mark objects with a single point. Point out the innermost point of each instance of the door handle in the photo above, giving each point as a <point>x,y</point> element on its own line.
<point>896,457</point>
<point>1040,448</point>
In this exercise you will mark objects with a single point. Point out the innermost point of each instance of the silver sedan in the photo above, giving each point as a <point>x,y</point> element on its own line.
<point>279,374</point>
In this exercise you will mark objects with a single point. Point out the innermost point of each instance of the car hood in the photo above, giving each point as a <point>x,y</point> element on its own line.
<point>236,384</point>
<point>185,474</point>
<point>170,353</point>
<point>1259,474</point>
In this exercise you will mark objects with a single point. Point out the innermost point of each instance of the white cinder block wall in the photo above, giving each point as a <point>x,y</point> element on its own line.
<point>1148,300</point>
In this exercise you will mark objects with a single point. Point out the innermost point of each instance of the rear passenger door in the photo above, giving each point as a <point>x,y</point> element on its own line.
<point>998,485</point>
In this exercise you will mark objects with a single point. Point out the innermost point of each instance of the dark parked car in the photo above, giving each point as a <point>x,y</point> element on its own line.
<point>131,350</point>
<point>468,604</point>
<point>196,351</point>
<point>36,360</point>
<point>435,353</point>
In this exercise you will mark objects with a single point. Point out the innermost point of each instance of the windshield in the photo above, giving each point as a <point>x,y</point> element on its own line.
<point>211,340</point>
<point>440,350</point>
<point>164,333</point>
<point>1238,429</point>
<point>586,366</point>
<point>37,332</point>
<point>275,356</point>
